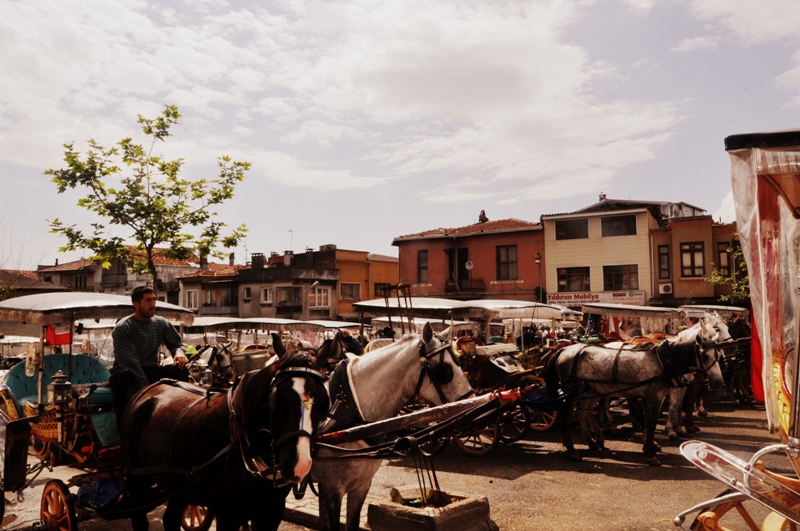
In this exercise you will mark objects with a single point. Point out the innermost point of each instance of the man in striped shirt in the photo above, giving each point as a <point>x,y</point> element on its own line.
<point>137,339</point>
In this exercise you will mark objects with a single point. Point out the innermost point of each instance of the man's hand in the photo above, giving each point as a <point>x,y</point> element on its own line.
<point>180,360</point>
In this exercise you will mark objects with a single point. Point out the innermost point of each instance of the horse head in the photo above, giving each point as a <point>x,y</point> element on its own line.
<point>291,388</point>
<point>708,334</point>
<point>446,381</point>
<point>221,364</point>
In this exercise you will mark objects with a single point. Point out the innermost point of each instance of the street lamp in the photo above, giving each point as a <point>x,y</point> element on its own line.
<point>538,260</point>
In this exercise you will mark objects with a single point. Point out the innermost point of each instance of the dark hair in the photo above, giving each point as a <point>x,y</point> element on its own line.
<point>138,293</point>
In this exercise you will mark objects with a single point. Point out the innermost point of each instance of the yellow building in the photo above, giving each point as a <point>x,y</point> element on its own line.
<point>634,252</point>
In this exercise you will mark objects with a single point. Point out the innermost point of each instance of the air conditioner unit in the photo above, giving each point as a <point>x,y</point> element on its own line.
<point>665,289</point>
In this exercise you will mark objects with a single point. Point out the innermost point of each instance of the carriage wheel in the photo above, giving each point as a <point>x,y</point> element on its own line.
<point>736,515</point>
<point>196,518</point>
<point>514,424</point>
<point>543,420</point>
<point>480,442</point>
<point>57,511</point>
<point>42,450</point>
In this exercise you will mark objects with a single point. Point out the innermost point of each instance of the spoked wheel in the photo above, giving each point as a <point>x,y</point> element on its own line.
<point>57,511</point>
<point>196,518</point>
<point>543,420</point>
<point>739,515</point>
<point>479,442</point>
<point>43,451</point>
<point>514,424</point>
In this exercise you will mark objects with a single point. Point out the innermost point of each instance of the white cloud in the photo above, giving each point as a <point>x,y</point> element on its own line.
<point>694,44</point>
<point>754,22</point>
<point>727,209</point>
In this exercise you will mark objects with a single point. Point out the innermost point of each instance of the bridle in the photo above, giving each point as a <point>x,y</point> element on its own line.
<point>441,373</point>
<point>253,459</point>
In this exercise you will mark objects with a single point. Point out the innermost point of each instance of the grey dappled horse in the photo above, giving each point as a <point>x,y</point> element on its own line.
<point>648,373</point>
<point>382,382</point>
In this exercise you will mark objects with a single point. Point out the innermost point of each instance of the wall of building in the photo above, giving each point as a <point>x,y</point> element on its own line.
<point>597,251</point>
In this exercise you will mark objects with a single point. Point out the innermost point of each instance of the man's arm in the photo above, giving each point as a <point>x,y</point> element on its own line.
<point>126,356</point>
<point>172,339</point>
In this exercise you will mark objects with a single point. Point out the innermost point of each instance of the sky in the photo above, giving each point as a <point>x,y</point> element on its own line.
<point>364,120</point>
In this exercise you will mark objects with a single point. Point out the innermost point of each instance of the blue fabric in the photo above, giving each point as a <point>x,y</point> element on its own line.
<point>85,369</point>
<point>100,492</point>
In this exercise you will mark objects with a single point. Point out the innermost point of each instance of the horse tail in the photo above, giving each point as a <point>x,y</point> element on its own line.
<point>551,378</point>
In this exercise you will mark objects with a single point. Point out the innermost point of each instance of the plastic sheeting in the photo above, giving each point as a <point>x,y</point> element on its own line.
<point>766,190</point>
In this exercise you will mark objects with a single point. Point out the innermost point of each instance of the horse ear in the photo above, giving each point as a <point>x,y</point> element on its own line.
<point>427,333</point>
<point>324,353</point>
<point>277,345</point>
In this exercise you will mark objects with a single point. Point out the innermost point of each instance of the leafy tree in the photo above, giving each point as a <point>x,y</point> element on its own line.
<point>130,188</point>
<point>739,280</point>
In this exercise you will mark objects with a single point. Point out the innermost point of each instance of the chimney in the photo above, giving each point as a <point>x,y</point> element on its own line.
<point>230,259</point>
<point>56,261</point>
<point>203,262</point>
<point>287,258</point>
<point>602,196</point>
<point>258,260</point>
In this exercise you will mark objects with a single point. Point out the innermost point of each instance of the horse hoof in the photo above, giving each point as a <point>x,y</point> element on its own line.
<point>702,413</point>
<point>653,461</point>
<point>681,432</point>
<point>692,428</point>
<point>673,436</point>
<point>575,456</point>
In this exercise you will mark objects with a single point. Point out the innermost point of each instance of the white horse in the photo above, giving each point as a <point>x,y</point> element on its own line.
<point>381,383</point>
<point>635,373</point>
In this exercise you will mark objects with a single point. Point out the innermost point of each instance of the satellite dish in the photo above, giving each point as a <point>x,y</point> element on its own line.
<point>469,265</point>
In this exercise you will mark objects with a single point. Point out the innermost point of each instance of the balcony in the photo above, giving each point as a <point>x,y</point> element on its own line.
<point>226,311</point>
<point>465,285</point>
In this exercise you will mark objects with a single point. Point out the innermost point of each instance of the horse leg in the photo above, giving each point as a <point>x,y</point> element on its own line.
<point>565,417</point>
<point>590,430</point>
<point>606,418</point>
<point>652,407</point>
<point>174,513</point>
<point>269,519</point>
<point>139,522</point>
<point>330,507</point>
<point>673,428</point>
<point>355,501</point>
<point>701,393</point>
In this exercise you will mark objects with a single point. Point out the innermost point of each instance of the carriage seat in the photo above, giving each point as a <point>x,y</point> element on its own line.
<point>85,369</point>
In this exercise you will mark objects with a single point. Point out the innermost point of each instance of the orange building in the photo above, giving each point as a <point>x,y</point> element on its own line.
<point>501,259</point>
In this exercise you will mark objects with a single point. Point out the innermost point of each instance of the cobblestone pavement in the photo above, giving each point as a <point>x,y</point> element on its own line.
<point>532,485</point>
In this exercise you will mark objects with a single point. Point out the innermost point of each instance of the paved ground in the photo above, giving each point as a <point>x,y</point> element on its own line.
<point>532,485</point>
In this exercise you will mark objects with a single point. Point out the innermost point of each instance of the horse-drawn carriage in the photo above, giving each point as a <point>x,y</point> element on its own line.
<point>765,174</point>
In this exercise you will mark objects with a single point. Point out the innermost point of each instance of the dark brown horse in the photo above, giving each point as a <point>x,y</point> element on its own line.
<point>237,452</point>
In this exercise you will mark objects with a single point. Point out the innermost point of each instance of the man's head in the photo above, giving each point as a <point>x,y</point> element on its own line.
<point>144,302</point>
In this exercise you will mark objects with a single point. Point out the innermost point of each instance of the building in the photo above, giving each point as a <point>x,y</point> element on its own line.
<point>16,283</point>
<point>502,259</point>
<point>634,252</point>
<point>79,275</point>
<point>119,277</point>
<point>321,284</point>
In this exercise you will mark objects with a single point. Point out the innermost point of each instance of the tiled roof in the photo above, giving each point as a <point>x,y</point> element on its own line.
<point>26,280</point>
<point>216,270</point>
<point>160,260</point>
<point>500,225</point>
<point>83,263</point>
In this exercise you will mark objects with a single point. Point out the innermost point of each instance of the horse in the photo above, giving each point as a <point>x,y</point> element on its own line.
<point>647,374</point>
<point>216,358</point>
<point>239,452</point>
<point>375,387</point>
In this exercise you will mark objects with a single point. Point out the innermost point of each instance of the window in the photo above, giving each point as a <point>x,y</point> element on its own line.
<point>247,293</point>
<point>692,263</point>
<point>618,226</point>
<point>350,292</point>
<point>572,229</point>
<point>266,295</point>
<point>573,279</point>
<point>79,282</point>
<point>288,300</point>
<point>122,268</point>
<point>422,266</point>
<point>380,289</point>
<point>208,298</point>
<point>228,297</point>
<point>663,262</point>
<point>620,277</point>
<point>191,299</point>
<point>319,297</point>
<point>506,262</point>
<point>724,258</point>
